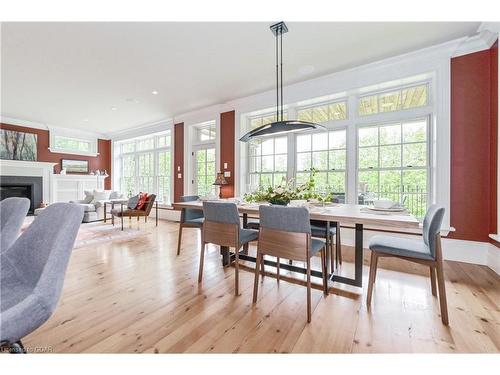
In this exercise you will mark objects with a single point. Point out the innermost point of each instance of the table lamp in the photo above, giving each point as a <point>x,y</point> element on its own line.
<point>219,181</point>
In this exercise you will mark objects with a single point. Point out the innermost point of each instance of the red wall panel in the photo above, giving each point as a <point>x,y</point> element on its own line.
<point>178,161</point>
<point>101,161</point>
<point>227,132</point>
<point>472,180</point>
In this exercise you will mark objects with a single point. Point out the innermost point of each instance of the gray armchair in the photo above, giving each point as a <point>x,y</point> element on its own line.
<point>32,272</point>
<point>12,214</point>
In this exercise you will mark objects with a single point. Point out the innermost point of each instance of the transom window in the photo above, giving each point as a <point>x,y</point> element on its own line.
<point>397,100</point>
<point>72,144</point>
<point>324,112</point>
<point>146,166</point>
<point>205,132</point>
<point>327,154</point>
<point>393,163</point>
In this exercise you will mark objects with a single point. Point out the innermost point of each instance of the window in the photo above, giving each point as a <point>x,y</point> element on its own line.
<point>377,145</point>
<point>324,113</point>
<point>327,153</point>
<point>393,163</point>
<point>205,132</point>
<point>268,161</point>
<point>205,171</point>
<point>397,100</point>
<point>70,144</point>
<point>146,166</point>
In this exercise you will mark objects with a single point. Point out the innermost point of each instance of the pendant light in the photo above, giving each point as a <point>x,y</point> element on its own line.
<point>280,125</point>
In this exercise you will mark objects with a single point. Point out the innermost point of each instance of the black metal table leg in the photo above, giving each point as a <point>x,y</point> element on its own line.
<point>328,247</point>
<point>358,262</point>
<point>224,250</point>
<point>245,224</point>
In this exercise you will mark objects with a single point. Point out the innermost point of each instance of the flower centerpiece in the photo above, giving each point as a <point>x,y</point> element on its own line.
<point>287,191</point>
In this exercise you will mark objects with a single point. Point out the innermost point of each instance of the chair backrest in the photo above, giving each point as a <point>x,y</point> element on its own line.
<point>285,232</point>
<point>12,214</point>
<point>149,204</point>
<point>432,225</point>
<point>39,257</point>
<point>222,223</point>
<point>190,213</point>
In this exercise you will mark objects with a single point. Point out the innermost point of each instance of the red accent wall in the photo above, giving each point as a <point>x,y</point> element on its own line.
<point>473,146</point>
<point>227,130</point>
<point>101,162</point>
<point>178,161</point>
<point>494,137</point>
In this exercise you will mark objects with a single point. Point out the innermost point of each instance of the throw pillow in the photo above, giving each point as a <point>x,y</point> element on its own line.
<point>100,196</point>
<point>132,202</point>
<point>89,196</point>
<point>143,198</point>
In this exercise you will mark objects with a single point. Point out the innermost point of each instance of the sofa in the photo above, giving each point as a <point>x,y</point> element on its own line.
<point>93,203</point>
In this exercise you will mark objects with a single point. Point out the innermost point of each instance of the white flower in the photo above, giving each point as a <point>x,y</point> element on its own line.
<point>279,190</point>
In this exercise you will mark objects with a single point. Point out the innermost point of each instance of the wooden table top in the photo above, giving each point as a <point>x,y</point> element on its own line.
<point>343,213</point>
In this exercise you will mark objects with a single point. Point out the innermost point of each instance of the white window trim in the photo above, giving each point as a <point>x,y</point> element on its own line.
<point>75,135</point>
<point>156,150</point>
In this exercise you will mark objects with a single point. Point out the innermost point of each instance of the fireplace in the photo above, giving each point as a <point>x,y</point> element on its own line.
<point>23,187</point>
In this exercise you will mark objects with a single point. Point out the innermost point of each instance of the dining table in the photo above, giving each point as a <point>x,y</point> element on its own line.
<point>349,215</point>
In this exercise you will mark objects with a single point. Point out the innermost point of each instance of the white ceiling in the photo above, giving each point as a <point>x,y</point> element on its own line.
<point>71,74</point>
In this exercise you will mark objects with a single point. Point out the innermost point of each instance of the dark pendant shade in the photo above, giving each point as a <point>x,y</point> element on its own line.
<point>278,127</point>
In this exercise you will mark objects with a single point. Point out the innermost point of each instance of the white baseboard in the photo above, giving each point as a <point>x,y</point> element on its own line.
<point>494,258</point>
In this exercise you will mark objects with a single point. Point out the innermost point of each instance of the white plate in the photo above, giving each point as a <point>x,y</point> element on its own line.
<point>394,209</point>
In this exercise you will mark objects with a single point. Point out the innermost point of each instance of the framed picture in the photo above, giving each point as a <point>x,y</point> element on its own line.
<point>16,145</point>
<point>75,166</point>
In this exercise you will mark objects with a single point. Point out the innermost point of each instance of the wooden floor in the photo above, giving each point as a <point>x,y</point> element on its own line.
<point>138,296</point>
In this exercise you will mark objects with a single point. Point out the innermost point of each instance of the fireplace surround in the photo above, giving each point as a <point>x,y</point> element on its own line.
<point>22,186</point>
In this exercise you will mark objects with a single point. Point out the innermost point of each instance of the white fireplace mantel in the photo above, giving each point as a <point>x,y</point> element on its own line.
<point>31,169</point>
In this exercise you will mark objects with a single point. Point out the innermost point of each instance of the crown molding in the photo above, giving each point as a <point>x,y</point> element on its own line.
<point>48,127</point>
<point>144,129</point>
<point>480,41</point>
<point>490,26</point>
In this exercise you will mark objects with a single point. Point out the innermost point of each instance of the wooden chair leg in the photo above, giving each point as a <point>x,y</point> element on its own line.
<point>122,221</point>
<point>262,270</point>
<point>308,290</point>
<point>324,271</point>
<point>278,270</point>
<point>433,280</point>
<point>202,258</point>
<point>138,218</point>
<point>236,272</point>
<point>371,281</point>
<point>179,240</point>
<point>256,278</point>
<point>442,293</point>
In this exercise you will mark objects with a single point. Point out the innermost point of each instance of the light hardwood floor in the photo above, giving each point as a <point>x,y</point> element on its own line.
<point>138,296</point>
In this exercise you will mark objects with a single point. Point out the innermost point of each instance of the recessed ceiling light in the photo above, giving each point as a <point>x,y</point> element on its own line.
<point>85,120</point>
<point>114,108</point>
<point>154,92</point>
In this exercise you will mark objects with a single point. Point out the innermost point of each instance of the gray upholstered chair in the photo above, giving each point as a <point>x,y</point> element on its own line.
<point>285,232</point>
<point>426,251</point>
<point>32,272</point>
<point>222,227</point>
<point>12,214</point>
<point>319,230</point>
<point>190,218</point>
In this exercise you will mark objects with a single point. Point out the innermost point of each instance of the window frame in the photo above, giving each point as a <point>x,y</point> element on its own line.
<point>155,151</point>
<point>429,156</point>
<point>196,148</point>
<point>83,138</point>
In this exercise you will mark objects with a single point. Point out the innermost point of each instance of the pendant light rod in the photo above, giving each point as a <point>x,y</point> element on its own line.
<point>280,126</point>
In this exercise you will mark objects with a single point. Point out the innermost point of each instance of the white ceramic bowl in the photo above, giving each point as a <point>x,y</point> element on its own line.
<point>383,203</point>
<point>298,203</point>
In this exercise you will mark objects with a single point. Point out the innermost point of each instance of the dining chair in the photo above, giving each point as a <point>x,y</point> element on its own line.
<point>222,227</point>
<point>285,232</point>
<point>319,229</point>
<point>426,251</point>
<point>190,218</point>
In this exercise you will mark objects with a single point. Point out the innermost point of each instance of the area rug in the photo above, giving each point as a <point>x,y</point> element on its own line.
<point>98,233</point>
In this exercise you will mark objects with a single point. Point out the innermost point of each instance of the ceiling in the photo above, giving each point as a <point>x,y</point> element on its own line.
<point>72,74</point>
